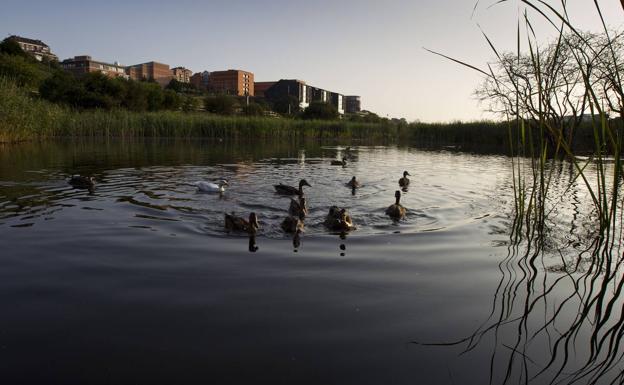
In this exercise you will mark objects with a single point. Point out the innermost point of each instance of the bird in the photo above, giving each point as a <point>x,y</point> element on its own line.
<point>396,211</point>
<point>212,187</point>
<point>298,208</point>
<point>342,162</point>
<point>290,190</point>
<point>79,181</point>
<point>404,182</point>
<point>292,225</point>
<point>353,183</point>
<point>338,219</point>
<point>234,223</point>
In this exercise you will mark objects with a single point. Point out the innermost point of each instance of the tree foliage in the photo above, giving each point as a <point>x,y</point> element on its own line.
<point>320,110</point>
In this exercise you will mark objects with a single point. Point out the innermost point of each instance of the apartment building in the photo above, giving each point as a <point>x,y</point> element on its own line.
<point>182,74</point>
<point>82,65</point>
<point>354,104</point>
<point>260,88</point>
<point>36,48</point>
<point>338,101</point>
<point>232,82</point>
<point>287,87</point>
<point>200,80</point>
<point>154,71</point>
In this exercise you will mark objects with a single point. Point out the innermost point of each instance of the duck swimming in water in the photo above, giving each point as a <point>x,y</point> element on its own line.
<point>339,220</point>
<point>342,162</point>
<point>234,223</point>
<point>353,183</point>
<point>79,181</point>
<point>404,182</point>
<point>290,190</point>
<point>212,187</point>
<point>396,211</point>
<point>298,208</point>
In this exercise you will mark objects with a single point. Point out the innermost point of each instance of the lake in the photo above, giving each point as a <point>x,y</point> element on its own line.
<point>137,281</point>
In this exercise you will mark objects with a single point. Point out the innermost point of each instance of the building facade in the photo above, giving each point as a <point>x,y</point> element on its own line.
<point>260,88</point>
<point>152,71</point>
<point>296,89</point>
<point>232,82</point>
<point>354,104</point>
<point>338,101</point>
<point>36,48</point>
<point>200,80</point>
<point>82,65</point>
<point>182,74</point>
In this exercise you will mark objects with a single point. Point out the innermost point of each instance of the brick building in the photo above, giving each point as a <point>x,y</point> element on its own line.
<point>36,48</point>
<point>157,72</point>
<point>182,74</point>
<point>81,65</point>
<point>232,82</point>
<point>200,80</point>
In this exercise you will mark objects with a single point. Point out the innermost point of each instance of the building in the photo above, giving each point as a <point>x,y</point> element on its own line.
<point>36,48</point>
<point>320,95</point>
<point>82,65</point>
<point>182,74</point>
<point>232,82</point>
<point>338,101</point>
<point>152,71</point>
<point>280,90</point>
<point>200,80</point>
<point>353,104</point>
<point>260,88</point>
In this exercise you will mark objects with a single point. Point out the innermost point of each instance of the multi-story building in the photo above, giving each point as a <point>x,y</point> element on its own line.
<point>153,71</point>
<point>36,48</point>
<point>294,88</point>
<point>81,65</point>
<point>338,101</point>
<point>232,82</point>
<point>182,74</point>
<point>320,95</point>
<point>200,80</point>
<point>260,88</point>
<point>353,104</point>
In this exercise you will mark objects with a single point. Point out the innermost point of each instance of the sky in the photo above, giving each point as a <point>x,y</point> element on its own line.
<point>370,48</point>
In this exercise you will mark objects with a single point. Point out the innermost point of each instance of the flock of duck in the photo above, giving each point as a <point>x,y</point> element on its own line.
<point>338,219</point>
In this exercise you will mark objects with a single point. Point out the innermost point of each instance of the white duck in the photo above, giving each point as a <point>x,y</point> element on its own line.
<point>212,187</point>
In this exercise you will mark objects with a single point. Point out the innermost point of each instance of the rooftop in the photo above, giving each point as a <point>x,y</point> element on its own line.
<point>27,40</point>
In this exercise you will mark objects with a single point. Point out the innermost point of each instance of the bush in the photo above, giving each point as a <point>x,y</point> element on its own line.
<point>320,110</point>
<point>221,104</point>
<point>25,71</point>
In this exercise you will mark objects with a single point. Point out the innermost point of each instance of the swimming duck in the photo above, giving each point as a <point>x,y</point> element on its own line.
<point>342,162</point>
<point>234,223</point>
<point>404,182</point>
<point>80,181</point>
<point>353,183</point>
<point>396,211</point>
<point>292,225</point>
<point>290,190</point>
<point>212,187</point>
<point>339,220</point>
<point>298,208</point>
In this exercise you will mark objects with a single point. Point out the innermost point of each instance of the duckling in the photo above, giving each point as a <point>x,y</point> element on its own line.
<point>292,225</point>
<point>299,208</point>
<point>342,162</point>
<point>212,187</point>
<point>290,190</point>
<point>353,183</point>
<point>404,182</point>
<point>79,181</point>
<point>234,223</point>
<point>396,211</point>
<point>339,220</point>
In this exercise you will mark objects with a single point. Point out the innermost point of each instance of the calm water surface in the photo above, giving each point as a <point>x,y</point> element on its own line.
<point>137,282</point>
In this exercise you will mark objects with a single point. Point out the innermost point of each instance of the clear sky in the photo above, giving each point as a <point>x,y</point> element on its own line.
<point>371,48</point>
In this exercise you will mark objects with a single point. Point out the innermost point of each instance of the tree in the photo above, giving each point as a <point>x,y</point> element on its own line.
<point>221,104</point>
<point>253,109</point>
<point>320,110</point>
<point>11,47</point>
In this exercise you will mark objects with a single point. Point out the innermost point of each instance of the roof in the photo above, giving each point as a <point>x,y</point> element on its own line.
<point>29,41</point>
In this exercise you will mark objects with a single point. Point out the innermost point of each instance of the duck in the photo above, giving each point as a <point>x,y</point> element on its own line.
<point>292,225</point>
<point>80,181</point>
<point>290,190</point>
<point>353,183</point>
<point>338,219</point>
<point>298,208</point>
<point>404,182</point>
<point>396,211</point>
<point>342,162</point>
<point>212,187</point>
<point>234,223</point>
